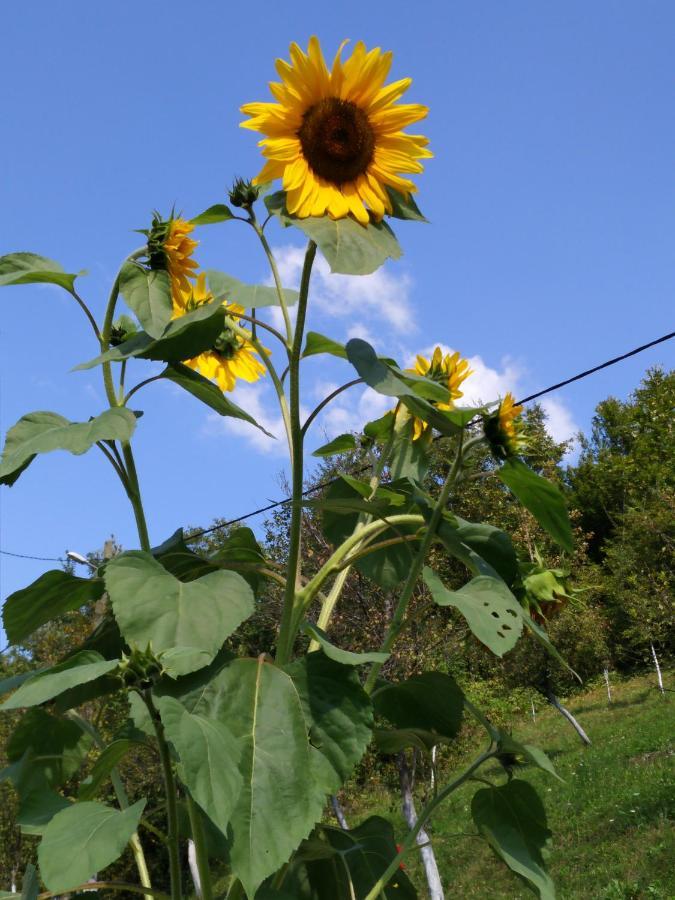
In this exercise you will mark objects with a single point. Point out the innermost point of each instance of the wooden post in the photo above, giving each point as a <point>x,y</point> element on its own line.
<point>410,816</point>
<point>609,690</point>
<point>658,671</point>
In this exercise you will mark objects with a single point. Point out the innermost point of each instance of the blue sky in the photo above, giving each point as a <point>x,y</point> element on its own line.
<point>550,196</point>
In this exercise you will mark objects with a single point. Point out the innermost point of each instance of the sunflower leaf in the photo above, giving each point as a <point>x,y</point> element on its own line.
<point>208,393</point>
<point>404,207</point>
<point>42,432</point>
<point>29,268</point>
<point>340,444</point>
<point>349,248</point>
<point>213,215</point>
<point>319,343</point>
<point>148,294</point>
<point>250,296</point>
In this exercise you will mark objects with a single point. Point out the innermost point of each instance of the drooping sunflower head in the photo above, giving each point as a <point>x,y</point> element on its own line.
<point>171,248</point>
<point>504,428</point>
<point>232,355</point>
<point>448,370</point>
<point>334,136</point>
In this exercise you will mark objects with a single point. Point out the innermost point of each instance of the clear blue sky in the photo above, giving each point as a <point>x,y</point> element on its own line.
<point>551,197</point>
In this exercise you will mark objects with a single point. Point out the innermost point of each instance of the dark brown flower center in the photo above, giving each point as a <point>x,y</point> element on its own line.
<point>337,140</point>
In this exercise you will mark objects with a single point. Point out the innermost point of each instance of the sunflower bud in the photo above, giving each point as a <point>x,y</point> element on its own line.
<point>140,668</point>
<point>159,232</point>
<point>243,193</point>
<point>122,330</point>
<point>504,429</point>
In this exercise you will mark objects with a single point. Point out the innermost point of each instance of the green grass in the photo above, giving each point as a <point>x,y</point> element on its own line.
<point>611,818</point>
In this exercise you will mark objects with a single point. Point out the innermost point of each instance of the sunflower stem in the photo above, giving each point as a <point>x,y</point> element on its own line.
<point>291,597</point>
<point>277,279</point>
<point>134,493</point>
<point>106,330</point>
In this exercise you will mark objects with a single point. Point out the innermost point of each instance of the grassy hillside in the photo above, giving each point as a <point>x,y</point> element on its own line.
<point>611,819</point>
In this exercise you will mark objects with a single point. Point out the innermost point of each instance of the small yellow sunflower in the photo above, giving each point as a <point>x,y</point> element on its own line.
<point>232,356</point>
<point>450,371</point>
<point>178,248</point>
<point>504,428</point>
<point>335,137</point>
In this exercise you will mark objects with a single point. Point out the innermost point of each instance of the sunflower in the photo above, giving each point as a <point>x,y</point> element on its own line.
<point>170,249</point>
<point>232,356</point>
<point>504,428</point>
<point>334,137</point>
<point>449,371</point>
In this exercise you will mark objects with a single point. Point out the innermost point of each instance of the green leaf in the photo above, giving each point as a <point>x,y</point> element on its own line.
<point>361,856</point>
<point>78,669</point>
<point>404,207</point>
<point>240,547</point>
<point>251,296</point>
<point>532,754</point>
<point>388,380</point>
<point>53,594</point>
<point>512,819</point>
<point>183,338</point>
<point>491,611</point>
<point>38,802</point>
<point>339,718</point>
<point>177,558</point>
<point>208,393</point>
<point>213,215</point>
<point>541,498</point>
<point>111,756</point>
<point>29,268</point>
<point>349,248</point>
<point>82,840</point>
<point>277,805</point>
<point>346,657</point>
<point>209,759</point>
<point>393,740</point>
<point>30,885</point>
<point>319,343</point>
<point>9,684</point>
<point>340,444</point>
<point>492,545</point>
<point>148,293</point>
<point>186,623</point>
<point>57,746</point>
<point>43,432</point>
<point>430,704</point>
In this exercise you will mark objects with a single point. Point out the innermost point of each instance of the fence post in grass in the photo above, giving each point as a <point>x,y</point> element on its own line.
<point>609,690</point>
<point>658,670</point>
<point>410,816</point>
<point>339,813</point>
<point>534,714</point>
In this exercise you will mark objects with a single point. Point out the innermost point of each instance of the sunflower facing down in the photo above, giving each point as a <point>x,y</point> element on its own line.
<point>171,248</point>
<point>504,428</point>
<point>232,356</point>
<point>334,136</point>
<point>449,371</point>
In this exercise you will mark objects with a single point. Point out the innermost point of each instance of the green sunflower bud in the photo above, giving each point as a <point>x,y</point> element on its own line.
<point>243,193</point>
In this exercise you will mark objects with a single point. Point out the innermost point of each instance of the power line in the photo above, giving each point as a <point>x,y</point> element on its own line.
<point>323,484</point>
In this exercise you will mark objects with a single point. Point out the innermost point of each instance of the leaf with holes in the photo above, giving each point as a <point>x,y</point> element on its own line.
<point>491,611</point>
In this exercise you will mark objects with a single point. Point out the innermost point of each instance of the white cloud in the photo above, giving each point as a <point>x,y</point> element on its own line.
<point>559,419</point>
<point>351,410</point>
<point>381,297</point>
<point>255,400</point>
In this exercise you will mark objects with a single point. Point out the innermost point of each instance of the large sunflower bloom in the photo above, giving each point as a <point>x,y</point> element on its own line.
<point>450,371</point>
<point>504,428</point>
<point>334,137</point>
<point>232,356</point>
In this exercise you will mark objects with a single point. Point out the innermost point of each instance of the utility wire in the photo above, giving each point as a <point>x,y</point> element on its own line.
<point>323,484</point>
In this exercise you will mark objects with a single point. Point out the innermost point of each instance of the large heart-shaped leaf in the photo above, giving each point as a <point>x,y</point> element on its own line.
<point>249,296</point>
<point>209,759</point>
<point>491,611</point>
<point>492,545</point>
<point>148,293</point>
<point>512,818</point>
<point>53,594</point>
<point>183,338</point>
<point>78,669</point>
<point>43,432</point>
<point>186,623</point>
<point>82,840</point>
<point>277,805</point>
<point>338,714</point>
<point>29,268</point>
<point>208,393</point>
<point>430,704</point>
<point>541,498</point>
<point>349,248</point>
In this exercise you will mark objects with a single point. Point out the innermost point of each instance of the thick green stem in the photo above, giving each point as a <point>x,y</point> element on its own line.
<point>398,618</point>
<point>289,613</point>
<point>409,840</point>
<point>106,330</point>
<point>200,849</point>
<point>170,791</point>
<point>134,493</point>
<point>106,886</point>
